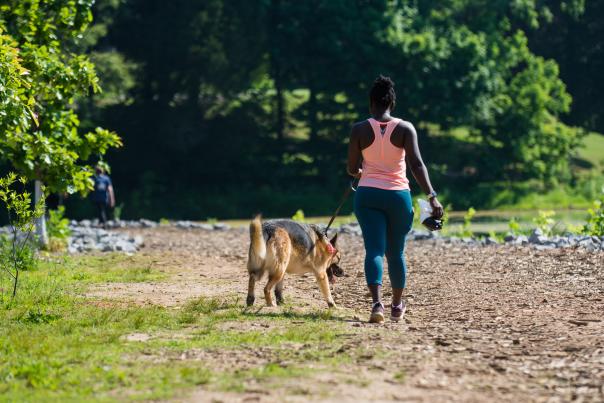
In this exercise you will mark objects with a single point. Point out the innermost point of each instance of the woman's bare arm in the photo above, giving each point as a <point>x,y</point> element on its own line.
<point>417,166</point>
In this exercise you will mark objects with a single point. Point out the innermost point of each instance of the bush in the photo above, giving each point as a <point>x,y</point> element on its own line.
<point>467,222</point>
<point>16,250</point>
<point>299,216</point>
<point>545,221</point>
<point>595,222</point>
<point>58,230</point>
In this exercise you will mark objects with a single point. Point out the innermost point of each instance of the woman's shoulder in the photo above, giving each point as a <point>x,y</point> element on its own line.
<point>405,125</point>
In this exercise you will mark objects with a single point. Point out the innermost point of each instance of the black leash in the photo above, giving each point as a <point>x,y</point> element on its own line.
<point>351,188</point>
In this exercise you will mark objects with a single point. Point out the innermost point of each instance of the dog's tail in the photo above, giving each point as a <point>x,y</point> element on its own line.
<point>257,252</point>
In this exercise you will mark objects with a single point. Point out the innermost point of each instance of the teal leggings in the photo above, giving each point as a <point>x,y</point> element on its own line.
<point>386,217</point>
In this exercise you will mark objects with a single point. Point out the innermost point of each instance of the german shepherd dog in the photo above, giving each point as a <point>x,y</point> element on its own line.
<point>285,246</point>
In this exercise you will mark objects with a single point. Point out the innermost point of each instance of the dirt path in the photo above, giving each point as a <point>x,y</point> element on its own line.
<point>483,323</point>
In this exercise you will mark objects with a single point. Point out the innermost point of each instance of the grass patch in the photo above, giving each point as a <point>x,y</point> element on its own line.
<point>57,345</point>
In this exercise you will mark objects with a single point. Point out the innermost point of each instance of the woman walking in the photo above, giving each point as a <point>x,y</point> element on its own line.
<point>376,154</point>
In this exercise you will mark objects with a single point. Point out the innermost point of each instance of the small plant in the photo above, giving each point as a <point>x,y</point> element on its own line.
<point>58,230</point>
<point>299,216</point>
<point>545,221</point>
<point>17,252</point>
<point>117,211</point>
<point>514,226</point>
<point>164,221</point>
<point>212,220</point>
<point>466,231</point>
<point>58,225</point>
<point>595,222</point>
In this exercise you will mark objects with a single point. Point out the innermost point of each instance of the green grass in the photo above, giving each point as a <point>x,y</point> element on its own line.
<point>592,150</point>
<point>56,344</point>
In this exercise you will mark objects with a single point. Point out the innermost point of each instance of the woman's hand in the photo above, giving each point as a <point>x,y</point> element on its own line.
<point>437,208</point>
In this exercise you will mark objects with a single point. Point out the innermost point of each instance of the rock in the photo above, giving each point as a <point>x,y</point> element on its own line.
<point>537,237</point>
<point>421,234</point>
<point>521,240</point>
<point>85,223</point>
<point>490,241</point>
<point>219,226</point>
<point>147,223</point>
<point>509,238</point>
<point>183,224</point>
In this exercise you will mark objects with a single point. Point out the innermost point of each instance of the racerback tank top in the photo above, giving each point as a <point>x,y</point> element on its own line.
<point>384,163</point>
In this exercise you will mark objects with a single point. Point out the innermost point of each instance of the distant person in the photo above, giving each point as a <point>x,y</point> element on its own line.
<point>377,152</point>
<point>103,195</point>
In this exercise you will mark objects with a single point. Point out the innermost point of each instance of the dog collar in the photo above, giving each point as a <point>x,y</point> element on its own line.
<point>331,249</point>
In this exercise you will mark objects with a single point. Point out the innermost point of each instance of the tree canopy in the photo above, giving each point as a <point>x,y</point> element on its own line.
<point>230,106</point>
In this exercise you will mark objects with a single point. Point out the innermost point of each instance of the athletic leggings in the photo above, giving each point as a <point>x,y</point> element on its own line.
<point>385,216</point>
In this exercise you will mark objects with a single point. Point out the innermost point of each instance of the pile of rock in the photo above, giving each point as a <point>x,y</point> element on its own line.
<point>87,239</point>
<point>537,239</point>
<point>144,223</point>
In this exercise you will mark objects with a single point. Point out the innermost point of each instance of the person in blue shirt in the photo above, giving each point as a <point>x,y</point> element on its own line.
<point>103,195</point>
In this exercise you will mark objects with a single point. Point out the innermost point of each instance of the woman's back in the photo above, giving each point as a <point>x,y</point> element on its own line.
<point>383,162</point>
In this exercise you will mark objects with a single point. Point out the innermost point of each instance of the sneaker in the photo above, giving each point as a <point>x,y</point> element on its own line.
<point>398,311</point>
<point>377,313</point>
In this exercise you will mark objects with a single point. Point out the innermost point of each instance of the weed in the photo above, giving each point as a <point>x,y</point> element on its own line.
<point>466,231</point>
<point>595,222</point>
<point>299,216</point>
<point>545,221</point>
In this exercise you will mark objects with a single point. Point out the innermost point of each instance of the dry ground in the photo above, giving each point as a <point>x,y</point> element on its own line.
<point>483,323</point>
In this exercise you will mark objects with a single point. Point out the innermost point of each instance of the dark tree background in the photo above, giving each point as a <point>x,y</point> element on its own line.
<point>230,107</point>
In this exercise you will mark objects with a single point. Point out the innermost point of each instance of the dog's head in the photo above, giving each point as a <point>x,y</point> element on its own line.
<point>333,270</point>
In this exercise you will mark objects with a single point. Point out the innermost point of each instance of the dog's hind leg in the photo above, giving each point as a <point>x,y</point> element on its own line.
<point>250,290</point>
<point>325,290</point>
<point>280,244</point>
<point>279,292</point>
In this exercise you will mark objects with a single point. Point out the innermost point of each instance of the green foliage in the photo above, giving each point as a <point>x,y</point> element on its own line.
<point>299,216</point>
<point>595,222</point>
<point>58,230</point>
<point>43,79</point>
<point>16,252</point>
<point>117,211</point>
<point>514,226</point>
<point>545,221</point>
<point>466,230</point>
<point>58,225</point>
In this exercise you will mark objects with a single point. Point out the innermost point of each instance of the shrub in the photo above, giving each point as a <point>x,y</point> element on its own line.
<point>467,222</point>
<point>595,222</point>
<point>545,221</point>
<point>299,216</point>
<point>17,252</point>
<point>514,226</point>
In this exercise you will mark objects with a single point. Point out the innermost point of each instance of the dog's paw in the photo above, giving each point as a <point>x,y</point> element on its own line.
<point>250,300</point>
<point>271,305</point>
<point>332,305</point>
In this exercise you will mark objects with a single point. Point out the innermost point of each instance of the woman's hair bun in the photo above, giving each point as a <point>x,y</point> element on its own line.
<point>382,92</point>
<point>384,82</point>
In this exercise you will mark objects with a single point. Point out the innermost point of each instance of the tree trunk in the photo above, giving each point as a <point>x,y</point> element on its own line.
<point>41,233</point>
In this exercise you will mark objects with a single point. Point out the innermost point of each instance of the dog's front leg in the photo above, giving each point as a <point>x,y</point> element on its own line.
<point>325,290</point>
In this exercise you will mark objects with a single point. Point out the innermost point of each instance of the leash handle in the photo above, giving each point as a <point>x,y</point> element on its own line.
<point>349,189</point>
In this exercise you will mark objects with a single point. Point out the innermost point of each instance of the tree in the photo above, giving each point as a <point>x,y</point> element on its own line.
<point>40,123</point>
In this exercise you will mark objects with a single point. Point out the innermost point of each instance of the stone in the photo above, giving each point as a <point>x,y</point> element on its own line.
<point>147,223</point>
<point>490,241</point>
<point>220,226</point>
<point>537,237</point>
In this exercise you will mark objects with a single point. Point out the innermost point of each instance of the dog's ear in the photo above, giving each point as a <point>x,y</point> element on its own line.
<point>334,239</point>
